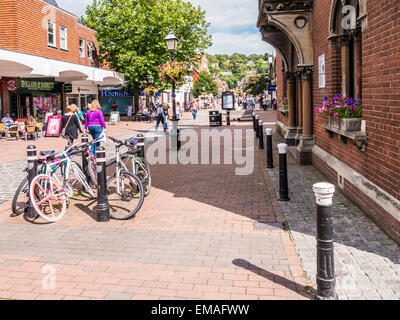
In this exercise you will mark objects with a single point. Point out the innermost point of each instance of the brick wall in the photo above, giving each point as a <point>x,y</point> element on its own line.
<point>381,93</point>
<point>23,28</point>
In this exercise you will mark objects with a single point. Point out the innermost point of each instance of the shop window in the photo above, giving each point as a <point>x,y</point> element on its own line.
<point>63,38</point>
<point>51,34</point>
<point>90,49</point>
<point>82,48</point>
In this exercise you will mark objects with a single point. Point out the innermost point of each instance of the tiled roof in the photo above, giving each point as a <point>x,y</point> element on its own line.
<point>52,2</point>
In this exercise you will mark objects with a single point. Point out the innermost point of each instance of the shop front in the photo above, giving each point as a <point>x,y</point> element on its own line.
<point>80,95</point>
<point>35,97</point>
<point>121,98</point>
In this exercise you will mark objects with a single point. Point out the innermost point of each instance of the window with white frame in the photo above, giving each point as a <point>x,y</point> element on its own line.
<point>51,33</point>
<point>90,49</point>
<point>63,38</point>
<point>82,48</point>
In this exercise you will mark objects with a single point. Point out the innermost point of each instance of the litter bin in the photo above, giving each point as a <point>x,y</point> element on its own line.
<point>215,119</point>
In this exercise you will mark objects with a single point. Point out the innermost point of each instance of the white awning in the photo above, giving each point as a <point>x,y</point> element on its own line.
<point>16,64</point>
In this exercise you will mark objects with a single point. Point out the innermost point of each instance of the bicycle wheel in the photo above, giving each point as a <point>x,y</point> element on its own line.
<point>128,201</point>
<point>145,175</point>
<point>78,173</point>
<point>48,198</point>
<point>21,197</point>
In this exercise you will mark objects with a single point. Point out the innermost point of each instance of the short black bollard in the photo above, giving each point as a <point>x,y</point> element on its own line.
<point>270,156</point>
<point>140,145</point>
<point>228,118</point>
<point>257,130</point>
<point>179,144</point>
<point>283,177</point>
<point>31,153</point>
<point>254,121</point>
<point>325,252</point>
<point>260,135</point>
<point>103,208</point>
<point>85,139</point>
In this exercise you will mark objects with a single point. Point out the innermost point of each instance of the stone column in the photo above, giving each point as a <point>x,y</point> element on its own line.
<point>345,43</point>
<point>304,149</point>
<point>299,107</point>
<point>358,63</point>
<point>290,136</point>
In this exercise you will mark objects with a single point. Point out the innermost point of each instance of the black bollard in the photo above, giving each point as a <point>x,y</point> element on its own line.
<point>260,135</point>
<point>325,252</point>
<point>283,177</point>
<point>257,130</point>
<point>31,153</point>
<point>179,144</point>
<point>228,118</point>
<point>270,157</point>
<point>140,145</point>
<point>254,121</point>
<point>103,209</point>
<point>85,139</point>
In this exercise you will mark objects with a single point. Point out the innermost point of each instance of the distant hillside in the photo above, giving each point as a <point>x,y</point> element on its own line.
<point>233,68</point>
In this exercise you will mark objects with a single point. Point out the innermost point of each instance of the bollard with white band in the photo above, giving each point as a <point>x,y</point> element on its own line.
<point>326,280</point>
<point>270,157</point>
<point>260,135</point>
<point>31,153</point>
<point>283,177</point>
<point>140,145</point>
<point>103,208</point>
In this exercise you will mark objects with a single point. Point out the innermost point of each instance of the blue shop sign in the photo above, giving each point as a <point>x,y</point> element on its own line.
<point>116,93</point>
<point>272,88</point>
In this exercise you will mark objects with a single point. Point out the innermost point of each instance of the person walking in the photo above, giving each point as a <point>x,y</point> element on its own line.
<point>95,124</point>
<point>129,111</point>
<point>70,122</point>
<point>160,116</point>
<point>195,108</point>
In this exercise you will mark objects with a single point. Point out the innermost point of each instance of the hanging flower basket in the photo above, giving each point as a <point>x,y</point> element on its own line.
<point>283,105</point>
<point>173,72</point>
<point>151,91</point>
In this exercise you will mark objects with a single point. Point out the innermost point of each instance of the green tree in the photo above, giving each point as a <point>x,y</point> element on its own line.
<point>205,83</point>
<point>131,36</point>
<point>257,84</point>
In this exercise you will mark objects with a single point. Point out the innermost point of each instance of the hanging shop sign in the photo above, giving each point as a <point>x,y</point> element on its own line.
<point>67,87</point>
<point>12,85</point>
<point>53,126</point>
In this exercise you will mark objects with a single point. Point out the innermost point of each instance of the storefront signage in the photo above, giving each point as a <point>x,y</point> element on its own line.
<point>12,85</point>
<point>53,126</point>
<point>37,85</point>
<point>272,88</point>
<point>116,93</point>
<point>68,88</point>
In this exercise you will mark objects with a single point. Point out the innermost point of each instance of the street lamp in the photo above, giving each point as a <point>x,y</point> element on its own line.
<point>171,42</point>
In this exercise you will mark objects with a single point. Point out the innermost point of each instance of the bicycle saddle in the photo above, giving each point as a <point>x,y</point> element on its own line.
<point>48,153</point>
<point>133,141</point>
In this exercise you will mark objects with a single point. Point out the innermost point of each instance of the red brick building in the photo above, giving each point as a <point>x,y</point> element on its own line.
<point>47,59</point>
<point>351,47</point>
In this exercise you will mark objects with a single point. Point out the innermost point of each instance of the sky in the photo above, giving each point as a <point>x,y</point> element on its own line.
<point>233,24</point>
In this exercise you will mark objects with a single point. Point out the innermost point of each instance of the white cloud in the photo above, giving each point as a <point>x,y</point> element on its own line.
<point>233,24</point>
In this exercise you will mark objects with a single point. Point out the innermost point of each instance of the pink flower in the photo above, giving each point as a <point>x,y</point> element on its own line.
<point>317,109</point>
<point>336,115</point>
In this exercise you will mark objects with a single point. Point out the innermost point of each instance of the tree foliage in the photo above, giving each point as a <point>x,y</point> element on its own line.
<point>258,84</point>
<point>205,83</point>
<point>131,34</point>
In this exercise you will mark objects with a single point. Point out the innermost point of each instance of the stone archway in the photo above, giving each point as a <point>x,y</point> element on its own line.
<point>287,26</point>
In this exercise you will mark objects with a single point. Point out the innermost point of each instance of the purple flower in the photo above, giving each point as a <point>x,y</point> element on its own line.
<point>330,110</point>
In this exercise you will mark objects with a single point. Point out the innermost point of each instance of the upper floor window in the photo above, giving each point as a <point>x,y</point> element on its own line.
<point>90,49</point>
<point>81,48</point>
<point>63,38</point>
<point>51,33</point>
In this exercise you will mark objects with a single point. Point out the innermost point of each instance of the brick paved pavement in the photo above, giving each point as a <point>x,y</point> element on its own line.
<point>203,233</point>
<point>367,261</point>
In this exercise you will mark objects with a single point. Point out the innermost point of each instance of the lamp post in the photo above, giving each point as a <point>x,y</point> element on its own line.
<point>171,42</point>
